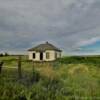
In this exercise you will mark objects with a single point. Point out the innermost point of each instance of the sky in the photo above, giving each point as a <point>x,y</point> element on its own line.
<point>72,25</point>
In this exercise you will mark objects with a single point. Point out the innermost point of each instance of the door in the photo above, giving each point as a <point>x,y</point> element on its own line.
<point>41,55</point>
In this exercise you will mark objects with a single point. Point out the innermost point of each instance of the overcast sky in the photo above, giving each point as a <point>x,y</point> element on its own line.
<point>72,25</point>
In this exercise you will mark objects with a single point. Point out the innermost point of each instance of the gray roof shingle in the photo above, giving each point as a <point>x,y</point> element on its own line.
<point>44,47</point>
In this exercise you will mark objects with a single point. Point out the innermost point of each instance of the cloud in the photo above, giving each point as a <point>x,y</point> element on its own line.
<point>65,23</point>
<point>88,42</point>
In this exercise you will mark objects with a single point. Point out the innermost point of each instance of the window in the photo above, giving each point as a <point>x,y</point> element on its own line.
<point>41,55</point>
<point>47,55</point>
<point>34,55</point>
<point>55,54</point>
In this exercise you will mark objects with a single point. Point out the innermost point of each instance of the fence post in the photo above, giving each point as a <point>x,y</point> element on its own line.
<point>1,65</point>
<point>19,67</point>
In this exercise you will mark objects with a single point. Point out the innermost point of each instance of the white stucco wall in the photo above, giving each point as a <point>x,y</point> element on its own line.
<point>58,54</point>
<point>37,55</point>
<point>51,55</point>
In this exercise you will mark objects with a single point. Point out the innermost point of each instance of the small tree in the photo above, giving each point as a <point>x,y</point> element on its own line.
<point>6,54</point>
<point>1,55</point>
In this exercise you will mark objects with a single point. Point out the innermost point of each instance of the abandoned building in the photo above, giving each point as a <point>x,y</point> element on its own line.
<point>44,52</point>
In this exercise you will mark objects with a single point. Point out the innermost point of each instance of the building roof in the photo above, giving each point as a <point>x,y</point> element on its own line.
<point>44,47</point>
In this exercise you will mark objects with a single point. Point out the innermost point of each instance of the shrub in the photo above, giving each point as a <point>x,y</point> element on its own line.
<point>1,55</point>
<point>6,54</point>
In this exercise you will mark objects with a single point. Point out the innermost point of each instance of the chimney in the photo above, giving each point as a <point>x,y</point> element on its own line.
<point>47,42</point>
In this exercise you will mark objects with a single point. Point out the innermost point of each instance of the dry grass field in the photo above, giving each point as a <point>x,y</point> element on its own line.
<point>69,78</point>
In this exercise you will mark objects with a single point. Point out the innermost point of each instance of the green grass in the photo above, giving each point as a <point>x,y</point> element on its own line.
<point>69,78</point>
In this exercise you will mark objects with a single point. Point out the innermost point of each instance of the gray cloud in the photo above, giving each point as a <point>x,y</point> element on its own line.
<point>24,23</point>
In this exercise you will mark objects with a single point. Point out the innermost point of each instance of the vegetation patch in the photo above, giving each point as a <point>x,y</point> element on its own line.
<point>68,78</point>
<point>78,69</point>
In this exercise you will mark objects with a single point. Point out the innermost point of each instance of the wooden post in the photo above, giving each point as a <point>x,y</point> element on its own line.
<point>19,67</point>
<point>1,65</point>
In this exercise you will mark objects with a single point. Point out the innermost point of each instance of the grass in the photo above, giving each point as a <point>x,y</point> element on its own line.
<point>69,78</point>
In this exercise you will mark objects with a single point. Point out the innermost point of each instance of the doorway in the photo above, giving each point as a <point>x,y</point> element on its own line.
<point>41,55</point>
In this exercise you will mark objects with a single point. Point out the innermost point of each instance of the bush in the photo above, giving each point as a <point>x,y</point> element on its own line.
<point>1,55</point>
<point>6,54</point>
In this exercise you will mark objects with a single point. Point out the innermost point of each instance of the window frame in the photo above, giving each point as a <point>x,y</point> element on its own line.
<point>47,55</point>
<point>56,55</point>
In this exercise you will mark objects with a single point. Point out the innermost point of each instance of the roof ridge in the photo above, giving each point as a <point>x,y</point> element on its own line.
<point>44,46</point>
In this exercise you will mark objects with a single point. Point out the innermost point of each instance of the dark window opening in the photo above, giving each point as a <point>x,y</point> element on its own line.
<point>41,55</point>
<point>55,54</point>
<point>34,55</point>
